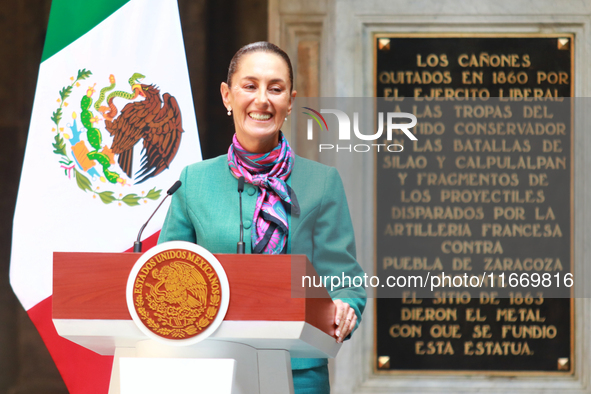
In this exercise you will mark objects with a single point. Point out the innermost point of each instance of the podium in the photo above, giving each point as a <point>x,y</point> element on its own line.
<point>264,325</point>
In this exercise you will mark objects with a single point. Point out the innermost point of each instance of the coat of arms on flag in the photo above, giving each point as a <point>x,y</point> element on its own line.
<point>95,139</point>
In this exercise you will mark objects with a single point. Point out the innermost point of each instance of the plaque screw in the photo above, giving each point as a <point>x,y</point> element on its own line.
<point>563,364</point>
<point>563,44</point>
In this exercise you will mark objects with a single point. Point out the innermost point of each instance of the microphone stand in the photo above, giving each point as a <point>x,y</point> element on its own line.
<point>240,245</point>
<point>137,245</point>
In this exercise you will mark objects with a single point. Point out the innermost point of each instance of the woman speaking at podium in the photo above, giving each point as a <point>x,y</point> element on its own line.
<point>291,205</point>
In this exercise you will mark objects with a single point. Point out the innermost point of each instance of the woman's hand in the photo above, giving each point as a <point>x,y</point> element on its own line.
<point>345,318</point>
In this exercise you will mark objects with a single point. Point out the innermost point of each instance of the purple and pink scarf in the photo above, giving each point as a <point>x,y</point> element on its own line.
<point>269,171</point>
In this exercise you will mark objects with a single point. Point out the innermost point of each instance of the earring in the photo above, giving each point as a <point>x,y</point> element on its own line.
<point>229,111</point>
<point>286,119</point>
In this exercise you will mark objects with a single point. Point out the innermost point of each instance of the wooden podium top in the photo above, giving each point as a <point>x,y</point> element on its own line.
<point>91,286</point>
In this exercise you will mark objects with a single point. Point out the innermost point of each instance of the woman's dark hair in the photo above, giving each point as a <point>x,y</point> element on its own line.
<point>261,46</point>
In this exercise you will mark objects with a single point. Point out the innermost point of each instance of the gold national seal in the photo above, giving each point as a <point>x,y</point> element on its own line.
<point>177,294</point>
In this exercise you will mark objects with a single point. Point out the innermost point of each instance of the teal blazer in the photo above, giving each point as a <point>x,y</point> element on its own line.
<point>205,210</point>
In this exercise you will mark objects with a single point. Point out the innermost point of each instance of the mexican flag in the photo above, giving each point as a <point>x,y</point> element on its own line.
<point>112,127</point>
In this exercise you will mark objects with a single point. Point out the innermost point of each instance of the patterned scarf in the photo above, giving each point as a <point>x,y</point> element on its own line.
<point>268,171</point>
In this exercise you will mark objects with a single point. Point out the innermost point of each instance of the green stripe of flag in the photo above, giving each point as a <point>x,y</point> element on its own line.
<point>71,19</point>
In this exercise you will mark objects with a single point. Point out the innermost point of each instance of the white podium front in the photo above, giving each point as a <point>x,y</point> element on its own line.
<point>174,375</point>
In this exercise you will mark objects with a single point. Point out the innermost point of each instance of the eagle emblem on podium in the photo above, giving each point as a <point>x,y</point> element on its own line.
<point>177,294</point>
<point>183,285</point>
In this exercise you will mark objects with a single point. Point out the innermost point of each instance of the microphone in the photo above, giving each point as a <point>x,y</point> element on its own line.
<point>137,245</point>
<point>240,245</point>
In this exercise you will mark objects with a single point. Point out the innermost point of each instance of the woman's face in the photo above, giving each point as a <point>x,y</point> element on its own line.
<point>260,99</point>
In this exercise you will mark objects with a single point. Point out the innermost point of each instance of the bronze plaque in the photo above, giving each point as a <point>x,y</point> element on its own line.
<point>486,191</point>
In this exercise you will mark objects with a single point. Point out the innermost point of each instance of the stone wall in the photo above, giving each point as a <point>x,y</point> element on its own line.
<point>342,32</point>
